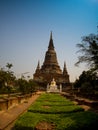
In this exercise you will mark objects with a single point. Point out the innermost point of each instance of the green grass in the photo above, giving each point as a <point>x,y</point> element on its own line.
<point>53,104</point>
<point>58,110</point>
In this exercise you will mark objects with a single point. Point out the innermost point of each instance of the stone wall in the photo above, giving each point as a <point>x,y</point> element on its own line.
<point>9,102</point>
<point>81,101</point>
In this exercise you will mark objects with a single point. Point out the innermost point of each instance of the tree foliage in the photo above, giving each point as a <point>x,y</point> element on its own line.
<point>89,51</point>
<point>87,84</point>
<point>7,80</point>
<point>86,76</point>
<point>25,86</point>
<point>9,83</point>
<point>9,65</point>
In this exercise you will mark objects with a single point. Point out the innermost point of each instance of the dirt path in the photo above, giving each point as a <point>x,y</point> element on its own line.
<point>7,118</point>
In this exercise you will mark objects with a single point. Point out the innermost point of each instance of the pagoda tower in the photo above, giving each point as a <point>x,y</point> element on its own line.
<point>50,64</point>
<point>50,68</point>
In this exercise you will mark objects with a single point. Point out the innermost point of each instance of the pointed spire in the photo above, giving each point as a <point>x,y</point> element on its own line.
<point>51,46</point>
<point>51,35</point>
<point>64,65</point>
<point>64,69</point>
<point>38,65</point>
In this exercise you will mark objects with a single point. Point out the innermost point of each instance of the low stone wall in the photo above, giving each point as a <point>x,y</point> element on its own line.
<point>93,104</point>
<point>67,95</point>
<point>81,101</point>
<point>7,103</point>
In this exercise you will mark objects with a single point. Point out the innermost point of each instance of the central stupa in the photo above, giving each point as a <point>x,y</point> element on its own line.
<point>50,68</point>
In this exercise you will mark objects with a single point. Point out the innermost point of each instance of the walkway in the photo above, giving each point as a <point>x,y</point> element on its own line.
<point>9,116</point>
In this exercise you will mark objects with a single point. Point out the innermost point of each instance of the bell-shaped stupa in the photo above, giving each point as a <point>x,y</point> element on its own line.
<point>50,68</point>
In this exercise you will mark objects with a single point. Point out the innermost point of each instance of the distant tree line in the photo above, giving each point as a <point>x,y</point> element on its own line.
<point>10,84</point>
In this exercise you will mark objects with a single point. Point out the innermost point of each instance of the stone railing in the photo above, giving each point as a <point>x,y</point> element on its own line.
<point>81,101</point>
<point>9,102</point>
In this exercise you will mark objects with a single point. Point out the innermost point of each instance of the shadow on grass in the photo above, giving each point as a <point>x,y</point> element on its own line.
<point>82,120</point>
<point>56,112</point>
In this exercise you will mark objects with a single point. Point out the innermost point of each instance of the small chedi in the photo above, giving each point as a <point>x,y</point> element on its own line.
<point>53,87</point>
<point>50,68</point>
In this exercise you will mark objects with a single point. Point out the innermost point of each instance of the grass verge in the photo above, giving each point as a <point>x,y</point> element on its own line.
<point>54,108</point>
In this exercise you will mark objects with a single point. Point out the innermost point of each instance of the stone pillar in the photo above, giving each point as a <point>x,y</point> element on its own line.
<point>60,88</point>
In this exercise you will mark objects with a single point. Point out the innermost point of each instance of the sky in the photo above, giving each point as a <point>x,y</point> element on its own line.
<point>25,27</point>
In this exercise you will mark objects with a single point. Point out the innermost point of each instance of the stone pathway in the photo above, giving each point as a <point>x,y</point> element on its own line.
<point>8,117</point>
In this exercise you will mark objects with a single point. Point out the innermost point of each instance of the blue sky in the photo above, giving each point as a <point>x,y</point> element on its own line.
<point>25,27</point>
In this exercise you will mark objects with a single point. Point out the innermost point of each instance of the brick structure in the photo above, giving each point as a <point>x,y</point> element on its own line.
<point>50,68</point>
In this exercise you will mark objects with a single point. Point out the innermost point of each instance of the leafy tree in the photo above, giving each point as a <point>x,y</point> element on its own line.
<point>2,78</point>
<point>26,86</point>
<point>22,84</point>
<point>89,50</point>
<point>7,79</point>
<point>9,65</point>
<point>33,85</point>
<point>87,84</point>
<point>86,76</point>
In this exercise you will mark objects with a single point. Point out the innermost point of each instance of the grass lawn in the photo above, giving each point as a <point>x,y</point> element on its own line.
<point>59,111</point>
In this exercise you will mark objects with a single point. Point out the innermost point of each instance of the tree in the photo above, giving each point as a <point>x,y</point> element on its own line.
<point>87,84</point>
<point>89,50</point>
<point>22,84</point>
<point>7,79</point>
<point>26,86</point>
<point>86,76</point>
<point>9,65</point>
